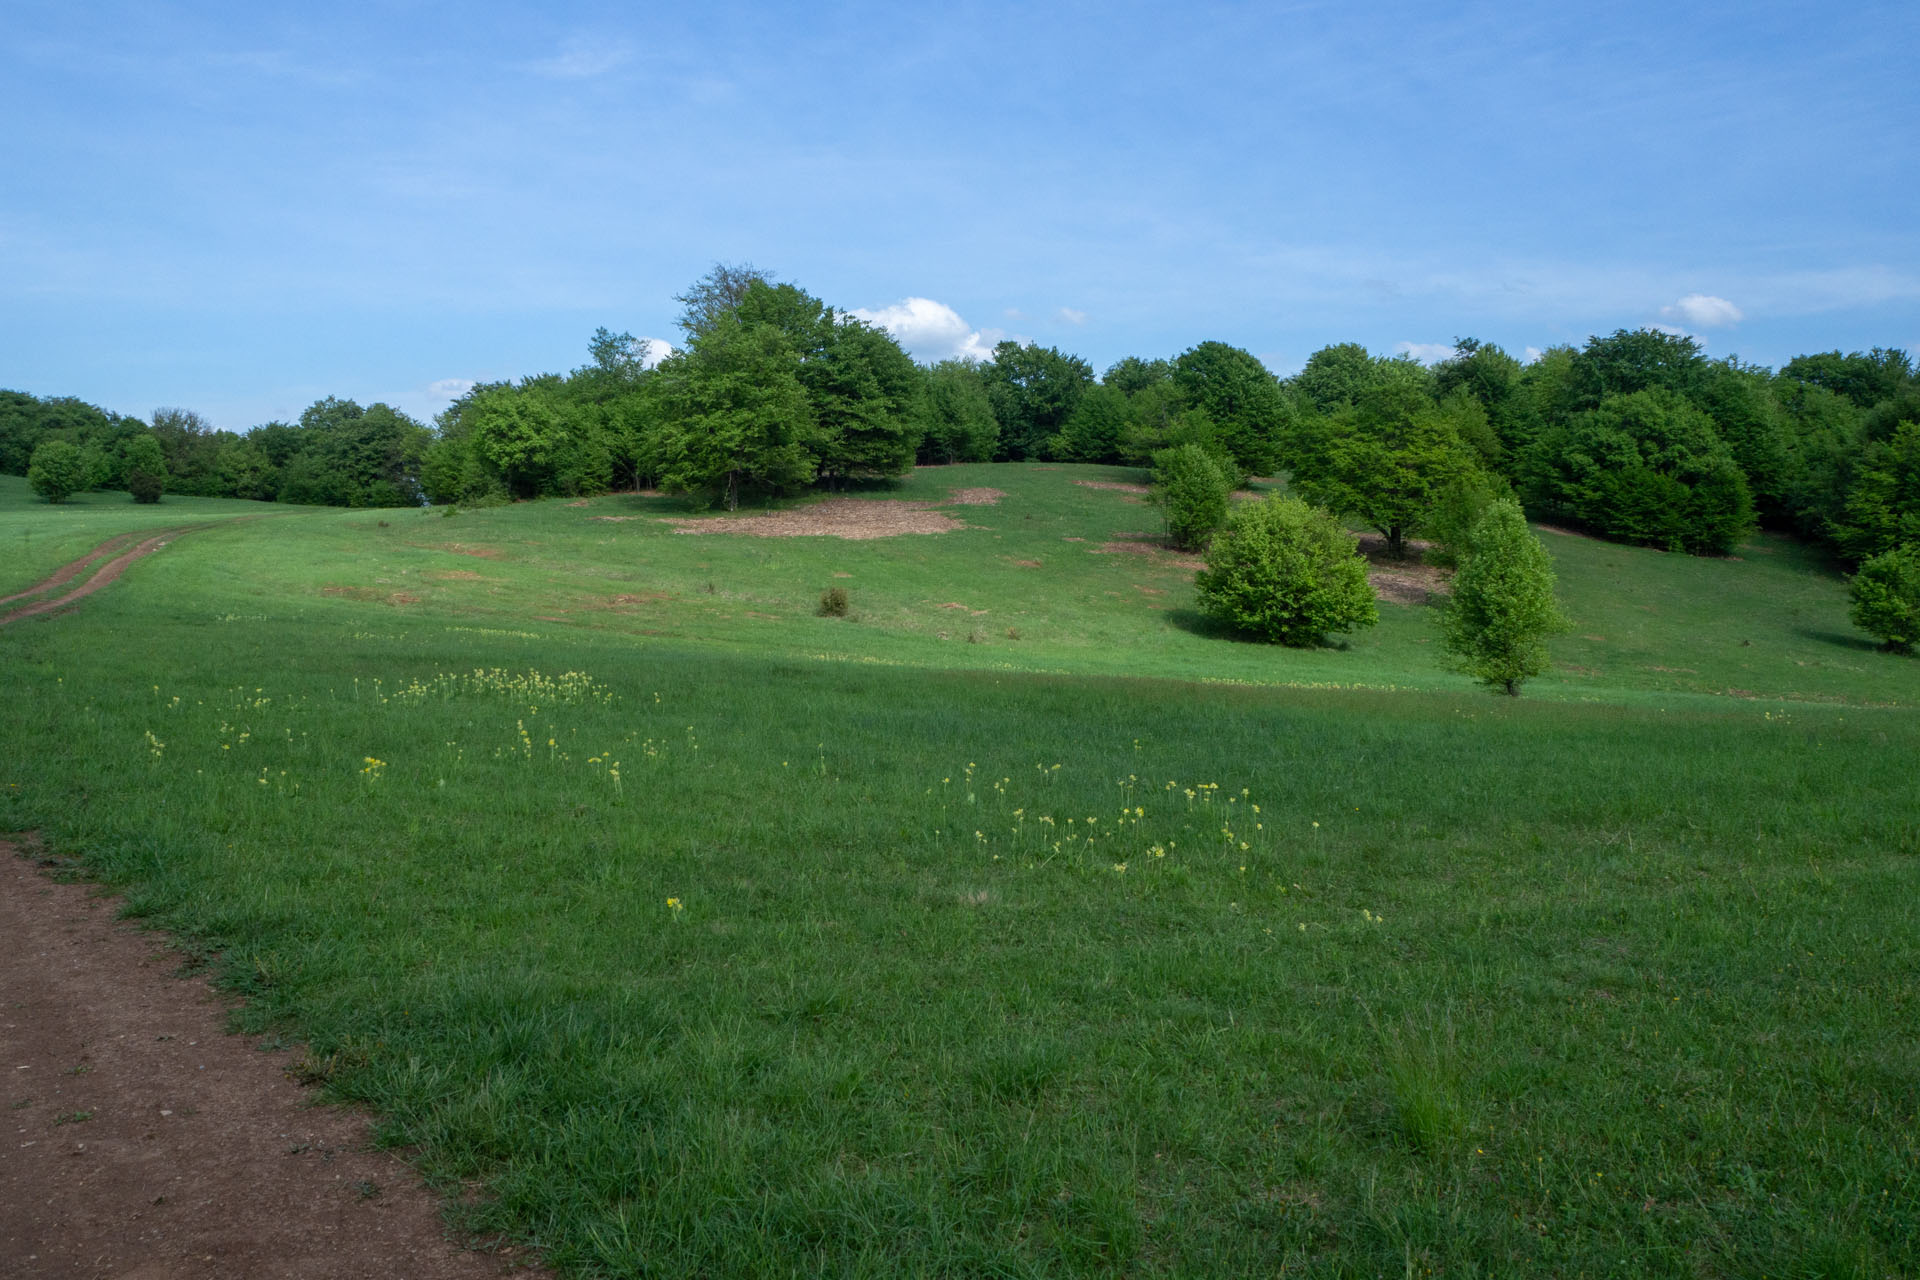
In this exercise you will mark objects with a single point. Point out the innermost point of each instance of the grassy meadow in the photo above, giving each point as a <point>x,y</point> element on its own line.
<point>1017,925</point>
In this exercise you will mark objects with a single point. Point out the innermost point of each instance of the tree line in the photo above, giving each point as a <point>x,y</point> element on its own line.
<point>1637,436</point>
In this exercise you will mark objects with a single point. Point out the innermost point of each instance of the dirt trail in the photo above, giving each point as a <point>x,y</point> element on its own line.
<point>145,1143</point>
<point>68,572</point>
<point>105,574</point>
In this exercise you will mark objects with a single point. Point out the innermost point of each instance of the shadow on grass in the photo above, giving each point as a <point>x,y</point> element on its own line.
<point>1844,640</point>
<point>1194,622</point>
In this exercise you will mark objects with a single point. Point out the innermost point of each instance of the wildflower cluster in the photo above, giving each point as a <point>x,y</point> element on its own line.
<point>571,688</point>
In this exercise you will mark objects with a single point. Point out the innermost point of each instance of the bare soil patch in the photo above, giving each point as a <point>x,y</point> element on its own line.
<point>198,1155</point>
<point>370,593</point>
<point>457,575</point>
<point>462,549</point>
<point>1411,581</point>
<point>1135,493</point>
<point>856,519</point>
<point>981,497</point>
<point>1557,531</point>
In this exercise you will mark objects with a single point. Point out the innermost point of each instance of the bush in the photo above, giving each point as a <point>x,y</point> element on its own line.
<point>1886,598</point>
<point>145,486</point>
<point>57,470</point>
<point>1495,626</point>
<point>1192,492</point>
<point>1287,573</point>
<point>833,602</point>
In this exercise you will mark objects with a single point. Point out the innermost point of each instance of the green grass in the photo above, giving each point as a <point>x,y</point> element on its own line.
<point>1615,980</point>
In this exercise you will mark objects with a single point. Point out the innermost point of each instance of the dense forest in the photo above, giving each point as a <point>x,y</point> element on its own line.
<point>1636,436</point>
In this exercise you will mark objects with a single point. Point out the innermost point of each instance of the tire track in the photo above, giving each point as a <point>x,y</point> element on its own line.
<point>68,572</point>
<point>102,576</point>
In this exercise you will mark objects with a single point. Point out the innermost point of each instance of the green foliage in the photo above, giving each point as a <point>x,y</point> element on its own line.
<point>1034,390</point>
<point>1631,360</point>
<point>1386,458</point>
<point>1495,380</point>
<point>144,467</point>
<point>1502,607</point>
<point>1882,508</point>
<point>1192,492</point>
<point>58,470</point>
<point>1286,573</point>
<point>735,415</point>
<point>1865,378</point>
<point>1645,467</point>
<point>1457,508</point>
<point>718,293</point>
<point>1092,433</point>
<point>834,603</point>
<point>1250,414</point>
<point>1885,597</point>
<point>956,417</point>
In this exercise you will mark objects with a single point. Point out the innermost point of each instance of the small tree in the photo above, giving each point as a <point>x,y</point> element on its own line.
<point>146,468</point>
<point>1495,626</point>
<point>58,470</point>
<point>1287,573</point>
<point>1192,492</point>
<point>1886,597</point>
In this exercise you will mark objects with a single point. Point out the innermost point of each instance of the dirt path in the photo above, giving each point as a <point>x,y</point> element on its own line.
<point>68,572</point>
<point>105,574</point>
<point>144,1143</point>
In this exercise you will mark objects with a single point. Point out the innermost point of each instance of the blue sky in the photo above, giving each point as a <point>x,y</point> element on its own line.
<point>240,208</point>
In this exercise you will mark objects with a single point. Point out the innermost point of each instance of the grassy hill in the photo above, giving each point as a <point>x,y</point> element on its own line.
<point>1017,925</point>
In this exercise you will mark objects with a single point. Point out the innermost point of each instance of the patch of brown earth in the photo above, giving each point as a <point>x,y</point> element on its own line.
<point>1557,531</point>
<point>1411,581</point>
<point>147,1143</point>
<point>646,598</point>
<point>855,519</point>
<point>584,502</point>
<point>369,593</point>
<point>462,549</point>
<point>1134,493</point>
<point>974,497</point>
<point>1025,564</point>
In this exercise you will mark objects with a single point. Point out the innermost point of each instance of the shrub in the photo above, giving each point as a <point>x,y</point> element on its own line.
<point>1287,573</point>
<point>57,470</point>
<point>1886,598</point>
<point>833,602</point>
<point>1495,626</point>
<point>145,486</point>
<point>1191,491</point>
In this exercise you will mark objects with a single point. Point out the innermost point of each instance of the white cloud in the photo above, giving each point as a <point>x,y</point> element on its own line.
<point>1533,354</point>
<point>1427,352</point>
<point>1671,330</point>
<point>1704,311</point>
<point>932,330</point>
<point>1072,316</point>
<point>582,59</point>
<point>449,388</point>
<point>657,349</point>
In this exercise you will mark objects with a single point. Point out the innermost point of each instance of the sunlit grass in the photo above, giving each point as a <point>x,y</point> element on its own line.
<point>704,955</point>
